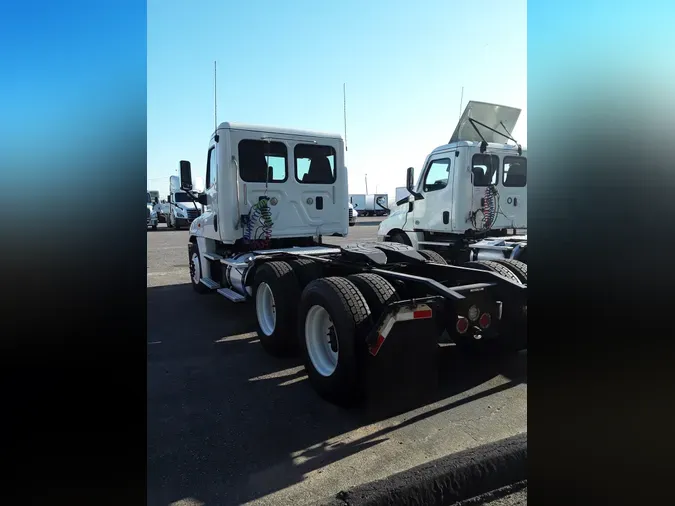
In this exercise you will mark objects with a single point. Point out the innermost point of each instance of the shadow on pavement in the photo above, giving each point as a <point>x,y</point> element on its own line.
<point>228,424</point>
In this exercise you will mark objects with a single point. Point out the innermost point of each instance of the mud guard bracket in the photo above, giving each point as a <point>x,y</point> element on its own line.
<point>401,368</point>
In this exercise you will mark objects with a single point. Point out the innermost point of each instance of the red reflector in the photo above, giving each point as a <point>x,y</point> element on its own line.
<point>374,349</point>
<point>485,320</point>
<point>421,314</point>
<point>462,325</point>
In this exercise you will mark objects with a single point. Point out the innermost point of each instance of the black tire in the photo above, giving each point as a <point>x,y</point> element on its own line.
<point>154,227</point>
<point>349,313</point>
<point>198,287</point>
<point>489,265</point>
<point>517,267</point>
<point>401,238</point>
<point>432,256</point>
<point>306,270</point>
<point>281,280</point>
<point>377,291</point>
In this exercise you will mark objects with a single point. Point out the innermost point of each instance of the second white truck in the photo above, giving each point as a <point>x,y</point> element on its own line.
<point>470,200</point>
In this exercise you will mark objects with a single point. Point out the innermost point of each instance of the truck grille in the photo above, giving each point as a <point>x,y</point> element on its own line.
<point>147,213</point>
<point>351,213</point>
<point>192,214</point>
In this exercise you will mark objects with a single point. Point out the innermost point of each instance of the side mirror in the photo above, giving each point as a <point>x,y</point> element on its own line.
<point>410,183</point>
<point>410,179</point>
<point>185,175</point>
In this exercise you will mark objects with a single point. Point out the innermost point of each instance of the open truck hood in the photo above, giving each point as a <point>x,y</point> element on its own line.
<point>491,115</point>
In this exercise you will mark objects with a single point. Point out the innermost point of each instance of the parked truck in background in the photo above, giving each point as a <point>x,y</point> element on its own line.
<point>272,195</point>
<point>358,200</point>
<point>377,204</point>
<point>470,199</point>
<point>150,214</point>
<point>182,209</point>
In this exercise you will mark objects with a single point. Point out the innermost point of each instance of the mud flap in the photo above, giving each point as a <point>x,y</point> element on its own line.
<point>400,370</point>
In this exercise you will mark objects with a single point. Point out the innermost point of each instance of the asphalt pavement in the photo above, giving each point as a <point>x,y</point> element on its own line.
<point>228,424</point>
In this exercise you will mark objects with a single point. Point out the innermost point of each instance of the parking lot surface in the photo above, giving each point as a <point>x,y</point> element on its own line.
<point>228,424</point>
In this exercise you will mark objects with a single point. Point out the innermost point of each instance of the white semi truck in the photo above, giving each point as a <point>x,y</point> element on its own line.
<point>377,204</point>
<point>150,214</point>
<point>358,200</point>
<point>470,200</point>
<point>182,209</point>
<point>272,195</point>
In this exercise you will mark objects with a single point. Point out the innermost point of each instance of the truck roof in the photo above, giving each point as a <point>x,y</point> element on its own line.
<point>228,125</point>
<point>459,144</point>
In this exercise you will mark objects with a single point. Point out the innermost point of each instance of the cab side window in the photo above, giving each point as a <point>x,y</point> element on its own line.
<point>437,175</point>
<point>211,168</point>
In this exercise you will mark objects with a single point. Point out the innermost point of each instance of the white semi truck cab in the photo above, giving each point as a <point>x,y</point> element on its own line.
<point>470,200</point>
<point>355,311</point>
<point>182,211</point>
<point>150,213</point>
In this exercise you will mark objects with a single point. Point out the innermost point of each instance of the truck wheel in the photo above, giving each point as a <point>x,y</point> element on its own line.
<point>276,292</point>
<point>305,270</point>
<point>196,271</point>
<point>401,238</point>
<point>154,227</point>
<point>332,317</point>
<point>377,291</point>
<point>432,256</point>
<point>517,267</point>
<point>489,265</point>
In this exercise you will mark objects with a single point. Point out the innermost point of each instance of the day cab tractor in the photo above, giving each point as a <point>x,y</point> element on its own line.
<point>270,198</point>
<point>150,214</point>
<point>470,200</point>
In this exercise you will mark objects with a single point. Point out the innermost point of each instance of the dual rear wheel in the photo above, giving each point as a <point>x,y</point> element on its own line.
<point>326,319</point>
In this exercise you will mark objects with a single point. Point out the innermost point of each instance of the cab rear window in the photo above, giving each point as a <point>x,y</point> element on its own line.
<point>515,171</point>
<point>263,161</point>
<point>314,164</point>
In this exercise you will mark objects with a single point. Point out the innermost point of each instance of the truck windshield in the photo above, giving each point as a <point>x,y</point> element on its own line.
<point>181,197</point>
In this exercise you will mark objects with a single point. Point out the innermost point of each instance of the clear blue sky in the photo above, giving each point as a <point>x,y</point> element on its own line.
<point>283,63</point>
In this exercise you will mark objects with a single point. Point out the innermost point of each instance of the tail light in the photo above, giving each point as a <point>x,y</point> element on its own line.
<point>485,320</point>
<point>462,325</point>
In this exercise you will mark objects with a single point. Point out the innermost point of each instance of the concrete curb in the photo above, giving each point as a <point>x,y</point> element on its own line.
<point>448,480</point>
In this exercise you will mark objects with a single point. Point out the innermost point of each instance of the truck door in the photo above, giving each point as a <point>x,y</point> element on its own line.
<point>434,211</point>
<point>210,216</point>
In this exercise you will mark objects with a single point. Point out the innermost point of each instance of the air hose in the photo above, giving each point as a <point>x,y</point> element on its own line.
<point>258,230</point>
<point>489,209</point>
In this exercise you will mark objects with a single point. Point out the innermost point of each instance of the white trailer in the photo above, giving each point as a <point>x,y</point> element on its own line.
<point>271,196</point>
<point>358,200</point>
<point>470,199</point>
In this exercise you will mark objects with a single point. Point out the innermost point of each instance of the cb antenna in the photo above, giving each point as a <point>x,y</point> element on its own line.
<point>461,101</point>
<point>215,102</point>
<point>344,105</point>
